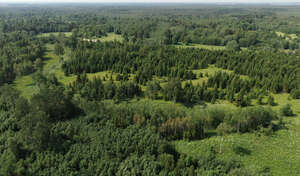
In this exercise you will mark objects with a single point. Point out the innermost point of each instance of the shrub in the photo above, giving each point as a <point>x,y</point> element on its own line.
<point>295,93</point>
<point>182,128</point>
<point>249,119</point>
<point>271,101</point>
<point>166,161</point>
<point>223,129</point>
<point>215,116</point>
<point>286,110</point>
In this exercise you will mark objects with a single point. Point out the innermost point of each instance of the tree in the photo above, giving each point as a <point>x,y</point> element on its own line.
<point>222,130</point>
<point>233,46</point>
<point>38,64</point>
<point>168,37</point>
<point>166,161</point>
<point>59,49</point>
<point>286,110</point>
<point>260,99</point>
<point>173,90</point>
<point>153,89</point>
<point>295,93</point>
<point>55,102</point>
<point>35,130</point>
<point>271,101</point>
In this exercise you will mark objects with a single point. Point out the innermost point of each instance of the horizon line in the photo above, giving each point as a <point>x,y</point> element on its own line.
<point>67,2</point>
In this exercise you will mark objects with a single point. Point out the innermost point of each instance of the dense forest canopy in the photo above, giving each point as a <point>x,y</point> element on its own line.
<point>100,89</point>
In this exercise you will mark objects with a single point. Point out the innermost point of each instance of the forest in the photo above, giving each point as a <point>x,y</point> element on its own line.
<point>148,89</point>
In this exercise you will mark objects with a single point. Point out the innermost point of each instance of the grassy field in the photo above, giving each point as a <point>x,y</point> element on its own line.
<point>110,37</point>
<point>287,36</point>
<point>209,47</point>
<point>67,34</point>
<point>211,70</point>
<point>26,86</point>
<point>279,152</point>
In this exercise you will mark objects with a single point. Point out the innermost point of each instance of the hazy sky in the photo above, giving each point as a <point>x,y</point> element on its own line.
<point>149,1</point>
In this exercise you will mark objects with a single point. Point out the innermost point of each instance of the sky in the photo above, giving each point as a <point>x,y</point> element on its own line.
<point>151,1</point>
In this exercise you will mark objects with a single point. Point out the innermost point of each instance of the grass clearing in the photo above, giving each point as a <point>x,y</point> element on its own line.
<point>211,70</point>
<point>200,46</point>
<point>110,37</point>
<point>286,36</point>
<point>67,34</point>
<point>279,152</point>
<point>275,152</point>
<point>26,86</point>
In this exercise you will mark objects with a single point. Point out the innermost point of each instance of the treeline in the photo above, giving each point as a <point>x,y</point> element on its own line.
<point>96,90</point>
<point>250,28</point>
<point>276,72</point>
<point>142,60</point>
<point>220,86</point>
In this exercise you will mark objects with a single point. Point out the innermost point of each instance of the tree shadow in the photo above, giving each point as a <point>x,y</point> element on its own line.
<point>209,134</point>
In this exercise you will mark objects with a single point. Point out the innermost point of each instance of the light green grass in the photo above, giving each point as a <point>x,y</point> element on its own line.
<point>53,66</point>
<point>210,71</point>
<point>110,37</point>
<point>279,152</point>
<point>287,36</point>
<point>67,34</point>
<point>200,46</point>
<point>26,86</point>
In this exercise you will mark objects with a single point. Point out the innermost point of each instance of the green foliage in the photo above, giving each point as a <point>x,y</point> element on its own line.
<point>35,130</point>
<point>233,46</point>
<point>167,161</point>
<point>182,128</point>
<point>54,101</point>
<point>173,90</point>
<point>214,117</point>
<point>153,89</point>
<point>251,118</point>
<point>59,49</point>
<point>286,110</point>
<point>18,52</point>
<point>271,101</point>
<point>295,93</point>
<point>78,130</point>
<point>95,90</point>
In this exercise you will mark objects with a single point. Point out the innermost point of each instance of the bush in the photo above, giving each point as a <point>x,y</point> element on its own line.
<point>286,110</point>
<point>166,161</point>
<point>223,129</point>
<point>182,128</point>
<point>215,116</point>
<point>252,118</point>
<point>295,93</point>
<point>271,101</point>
